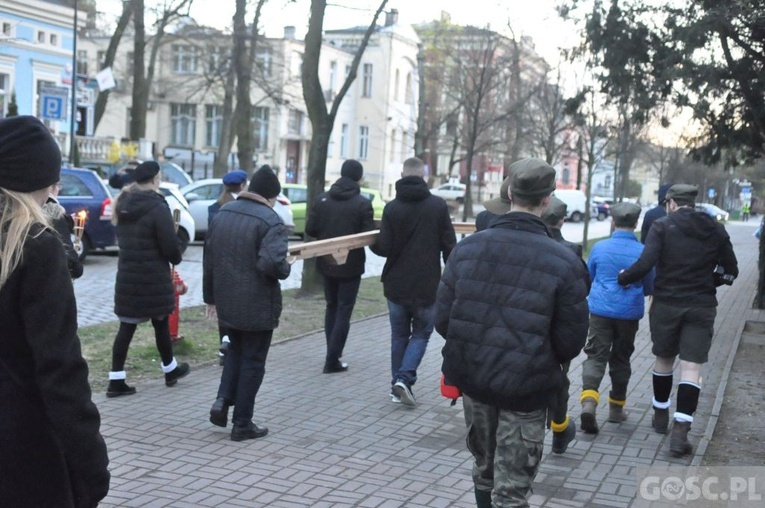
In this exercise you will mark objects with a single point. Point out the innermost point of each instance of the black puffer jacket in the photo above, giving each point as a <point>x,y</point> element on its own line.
<point>245,256</point>
<point>339,212</point>
<point>512,305</point>
<point>51,451</point>
<point>416,231</point>
<point>685,246</point>
<point>148,246</point>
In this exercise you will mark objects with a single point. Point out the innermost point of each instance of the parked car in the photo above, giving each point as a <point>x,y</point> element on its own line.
<point>716,212</point>
<point>602,209</point>
<point>170,171</point>
<point>175,200</point>
<point>450,191</point>
<point>203,193</point>
<point>83,189</point>
<point>298,195</point>
<point>575,202</point>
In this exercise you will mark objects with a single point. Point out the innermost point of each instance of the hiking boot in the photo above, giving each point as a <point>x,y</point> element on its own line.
<point>249,431</point>
<point>118,387</point>
<point>172,377</point>
<point>404,393</point>
<point>616,412</point>
<point>660,420</point>
<point>219,412</point>
<point>678,440</point>
<point>561,440</point>
<point>587,419</point>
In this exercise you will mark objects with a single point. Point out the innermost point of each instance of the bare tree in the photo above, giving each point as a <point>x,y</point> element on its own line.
<point>111,52</point>
<point>547,121</point>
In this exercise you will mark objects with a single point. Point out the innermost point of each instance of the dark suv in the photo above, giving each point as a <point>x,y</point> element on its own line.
<point>82,189</point>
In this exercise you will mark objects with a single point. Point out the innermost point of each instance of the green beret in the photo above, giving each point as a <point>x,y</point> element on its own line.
<point>682,193</point>
<point>501,204</point>
<point>555,211</point>
<point>531,178</point>
<point>625,214</point>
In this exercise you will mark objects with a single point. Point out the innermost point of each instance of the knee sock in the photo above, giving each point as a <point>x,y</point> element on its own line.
<point>121,345</point>
<point>662,387</point>
<point>162,339</point>
<point>687,401</point>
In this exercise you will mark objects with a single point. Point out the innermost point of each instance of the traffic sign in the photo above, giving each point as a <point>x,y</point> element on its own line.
<point>54,101</point>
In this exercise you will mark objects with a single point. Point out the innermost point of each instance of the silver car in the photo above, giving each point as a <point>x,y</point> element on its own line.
<point>203,193</point>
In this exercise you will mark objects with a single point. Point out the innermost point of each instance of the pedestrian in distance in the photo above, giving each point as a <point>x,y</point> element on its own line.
<point>144,287</point>
<point>494,208</point>
<point>615,313</point>
<point>416,232</point>
<point>745,209</point>
<point>339,212</point>
<point>234,182</point>
<point>512,307</point>
<point>564,430</point>
<point>63,223</point>
<point>51,450</point>
<point>245,257</point>
<point>657,212</point>
<point>693,255</point>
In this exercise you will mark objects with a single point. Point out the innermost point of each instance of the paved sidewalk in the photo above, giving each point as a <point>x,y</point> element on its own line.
<point>337,440</point>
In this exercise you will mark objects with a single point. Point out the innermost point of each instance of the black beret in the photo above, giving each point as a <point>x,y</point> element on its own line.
<point>531,178</point>
<point>265,182</point>
<point>682,193</point>
<point>352,169</point>
<point>146,171</point>
<point>555,211</point>
<point>30,159</point>
<point>625,214</point>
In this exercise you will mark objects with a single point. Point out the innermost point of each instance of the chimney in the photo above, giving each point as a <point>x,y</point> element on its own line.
<point>289,32</point>
<point>391,17</point>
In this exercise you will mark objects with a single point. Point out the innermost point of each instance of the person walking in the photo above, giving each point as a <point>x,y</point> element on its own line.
<point>512,307</point>
<point>234,182</point>
<point>51,449</point>
<point>340,211</point>
<point>416,232</point>
<point>657,212</point>
<point>144,287</point>
<point>693,256</point>
<point>745,209</point>
<point>245,256</point>
<point>614,316</point>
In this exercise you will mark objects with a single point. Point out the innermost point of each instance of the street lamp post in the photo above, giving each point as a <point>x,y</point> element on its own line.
<point>73,112</point>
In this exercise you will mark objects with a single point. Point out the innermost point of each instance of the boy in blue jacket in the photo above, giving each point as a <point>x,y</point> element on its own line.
<point>614,315</point>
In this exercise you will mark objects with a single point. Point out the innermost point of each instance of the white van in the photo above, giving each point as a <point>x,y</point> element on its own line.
<point>575,203</point>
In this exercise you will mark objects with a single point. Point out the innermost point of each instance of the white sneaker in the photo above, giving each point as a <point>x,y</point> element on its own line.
<point>395,398</point>
<point>404,393</point>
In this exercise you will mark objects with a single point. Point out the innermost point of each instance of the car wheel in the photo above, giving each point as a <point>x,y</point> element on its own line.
<point>576,217</point>
<point>183,239</point>
<point>601,216</point>
<point>460,200</point>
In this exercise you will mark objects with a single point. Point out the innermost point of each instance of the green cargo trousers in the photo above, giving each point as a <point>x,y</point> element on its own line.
<point>611,343</point>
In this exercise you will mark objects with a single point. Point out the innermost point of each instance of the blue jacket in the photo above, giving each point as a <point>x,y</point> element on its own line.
<point>607,298</point>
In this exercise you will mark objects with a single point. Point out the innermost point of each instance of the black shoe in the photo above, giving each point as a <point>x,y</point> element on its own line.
<point>338,367</point>
<point>223,349</point>
<point>172,377</point>
<point>219,412</point>
<point>250,431</point>
<point>118,387</point>
<point>561,440</point>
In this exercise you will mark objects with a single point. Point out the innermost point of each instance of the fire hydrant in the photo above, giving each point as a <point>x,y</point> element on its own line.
<point>179,288</point>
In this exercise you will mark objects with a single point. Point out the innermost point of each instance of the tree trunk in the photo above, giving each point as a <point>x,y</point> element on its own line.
<point>140,91</point>
<point>111,52</point>
<point>220,167</point>
<point>243,68</point>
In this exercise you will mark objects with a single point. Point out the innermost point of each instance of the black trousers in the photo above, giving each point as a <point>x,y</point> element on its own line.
<point>340,294</point>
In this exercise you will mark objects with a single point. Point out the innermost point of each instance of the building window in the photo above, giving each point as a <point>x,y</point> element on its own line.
<point>395,86</point>
<point>408,90</point>
<point>7,29</point>
<point>82,62</point>
<point>101,57</point>
<point>5,94</point>
<point>260,126</point>
<point>53,40</point>
<point>41,37</point>
<point>40,85</point>
<point>393,145</point>
<point>344,141</point>
<point>404,145</point>
<point>332,76</point>
<point>214,124</point>
<point>363,142</point>
<point>366,90</point>
<point>184,59</point>
<point>295,124</point>
<point>183,119</point>
<point>215,63</point>
<point>263,61</point>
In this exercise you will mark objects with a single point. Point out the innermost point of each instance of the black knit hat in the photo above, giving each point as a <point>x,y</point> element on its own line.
<point>30,159</point>
<point>146,171</point>
<point>265,182</point>
<point>352,169</point>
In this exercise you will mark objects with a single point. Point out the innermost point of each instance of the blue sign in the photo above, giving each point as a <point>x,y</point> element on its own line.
<point>54,102</point>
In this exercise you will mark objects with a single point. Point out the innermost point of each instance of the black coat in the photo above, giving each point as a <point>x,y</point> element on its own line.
<point>512,306</point>
<point>148,246</point>
<point>685,246</point>
<point>341,211</point>
<point>51,451</point>
<point>245,257</point>
<point>655,213</point>
<point>416,232</point>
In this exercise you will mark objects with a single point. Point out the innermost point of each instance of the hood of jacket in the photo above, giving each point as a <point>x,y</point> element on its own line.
<point>694,224</point>
<point>135,204</point>
<point>412,188</point>
<point>344,189</point>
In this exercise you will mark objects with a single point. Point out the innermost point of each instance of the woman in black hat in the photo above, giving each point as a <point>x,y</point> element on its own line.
<point>144,288</point>
<point>51,451</point>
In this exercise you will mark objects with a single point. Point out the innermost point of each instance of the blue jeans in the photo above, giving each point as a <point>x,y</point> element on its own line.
<point>410,330</point>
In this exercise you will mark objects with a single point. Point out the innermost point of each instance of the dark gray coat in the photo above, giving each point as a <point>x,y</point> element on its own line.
<point>512,305</point>
<point>244,259</point>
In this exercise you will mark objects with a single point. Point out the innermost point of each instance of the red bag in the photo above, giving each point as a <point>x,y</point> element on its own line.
<point>449,390</point>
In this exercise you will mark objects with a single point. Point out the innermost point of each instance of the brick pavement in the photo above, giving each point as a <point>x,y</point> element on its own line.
<point>337,441</point>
